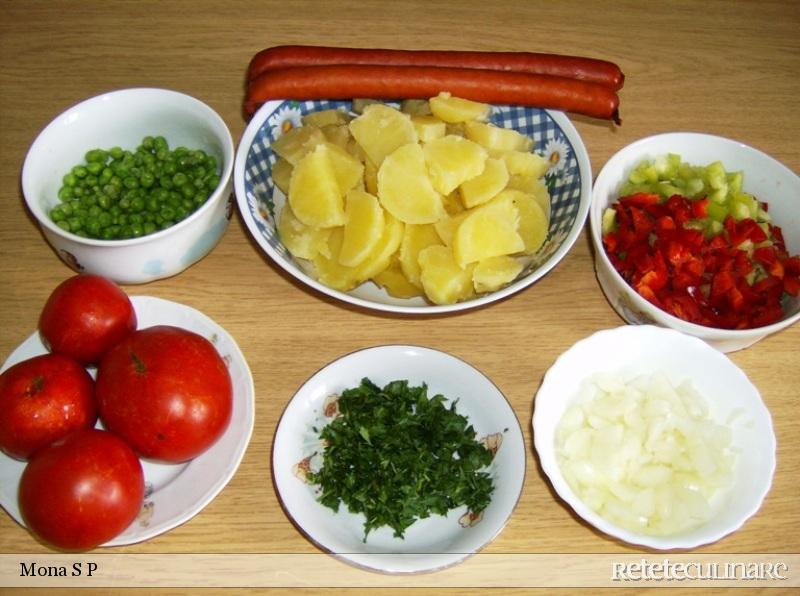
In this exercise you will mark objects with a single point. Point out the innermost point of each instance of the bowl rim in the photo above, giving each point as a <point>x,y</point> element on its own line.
<point>566,494</point>
<point>662,316</point>
<point>216,122</point>
<point>584,167</point>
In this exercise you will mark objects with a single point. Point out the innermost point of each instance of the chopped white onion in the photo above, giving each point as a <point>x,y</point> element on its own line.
<point>643,453</point>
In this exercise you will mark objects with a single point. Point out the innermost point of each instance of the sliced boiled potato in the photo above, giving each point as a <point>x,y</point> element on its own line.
<point>486,185</point>
<point>455,109</point>
<point>404,188</point>
<point>363,227</point>
<point>496,138</point>
<point>380,257</point>
<point>452,160</point>
<point>302,241</point>
<point>329,270</point>
<point>416,237</point>
<point>524,163</point>
<point>493,273</point>
<point>295,143</point>
<point>487,231</point>
<point>443,280</point>
<point>349,171</point>
<point>322,118</point>
<point>314,191</point>
<point>281,173</point>
<point>338,134</point>
<point>533,222</point>
<point>393,280</point>
<point>381,129</point>
<point>428,127</point>
<point>535,187</point>
<point>447,226</point>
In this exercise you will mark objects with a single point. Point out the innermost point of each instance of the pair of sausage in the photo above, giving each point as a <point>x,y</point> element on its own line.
<point>573,84</point>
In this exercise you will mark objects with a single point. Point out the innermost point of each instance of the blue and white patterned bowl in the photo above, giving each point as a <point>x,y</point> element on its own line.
<point>569,180</point>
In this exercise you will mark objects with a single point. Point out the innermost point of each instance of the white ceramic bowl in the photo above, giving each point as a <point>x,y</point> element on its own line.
<point>429,544</point>
<point>764,177</point>
<point>569,179</point>
<point>123,118</point>
<point>732,399</point>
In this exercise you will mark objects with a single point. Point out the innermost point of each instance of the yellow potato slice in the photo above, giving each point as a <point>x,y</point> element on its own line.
<point>486,185</point>
<point>447,226</point>
<point>488,230</point>
<point>524,163</point>
<point>348,170</point>
<point>302,241</point>
<point>381,255</point>
<point>416,237</point>
<point>456,109</point>
<point>404,188</point>
<point>452,160</point>
<point>395,282</point>
<point>381,129</point>
<point>493,273</point>
<point>535,187</point>
<point>533,223</point>
<point>496,138</point>
<point>442,279</point>
<point>314,190</point>
<point>428,127</point>
<point>294,144</point>
<point>363,227</point>
<point>329,270</point>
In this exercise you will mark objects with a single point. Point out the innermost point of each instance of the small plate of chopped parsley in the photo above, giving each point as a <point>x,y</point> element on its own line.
<point>400,459</point>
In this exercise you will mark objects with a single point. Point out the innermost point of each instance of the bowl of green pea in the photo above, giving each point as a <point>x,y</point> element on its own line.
<point>134,184</point>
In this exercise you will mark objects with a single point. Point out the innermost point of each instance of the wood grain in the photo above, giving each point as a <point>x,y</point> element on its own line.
<point>728,68</point>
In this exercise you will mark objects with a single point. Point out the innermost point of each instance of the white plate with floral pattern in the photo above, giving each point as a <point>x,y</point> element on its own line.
<point>174,493</point>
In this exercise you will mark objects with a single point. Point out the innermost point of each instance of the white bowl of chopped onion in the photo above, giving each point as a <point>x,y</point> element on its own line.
<point>654,438</point>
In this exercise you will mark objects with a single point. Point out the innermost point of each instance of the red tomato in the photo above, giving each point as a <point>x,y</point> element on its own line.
<point>86,315</point>
<point>166,391</point>
<point>43,399</point>
<point>81,491</point>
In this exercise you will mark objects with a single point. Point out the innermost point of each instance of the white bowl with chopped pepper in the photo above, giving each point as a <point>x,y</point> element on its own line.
<point>399,459</point>
<point>134,184</point>
<point>701,234</point>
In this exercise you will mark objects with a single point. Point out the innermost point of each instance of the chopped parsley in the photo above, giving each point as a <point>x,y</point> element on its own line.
<point>396,456</point>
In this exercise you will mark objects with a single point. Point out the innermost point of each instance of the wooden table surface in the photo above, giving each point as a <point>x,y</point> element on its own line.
<point>727,68</point>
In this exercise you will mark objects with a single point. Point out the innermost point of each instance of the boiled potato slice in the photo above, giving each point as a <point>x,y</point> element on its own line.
<point>415,107</point>
<point>524,163</point>
<point>328,268</point>
<point>281,173</point>
<point>496,138</point>
<point>324,118</point>
<point>348,170</point>
<point>447,226</point>
<point>455,109</point>
<point>533,223</point>
<point>535,187</point>
<point>314,191</point>
<point>363,227</point>
<point>338,134</point>
<point>381,129</point>
<point>443,280</point>
<point>452,160</point>
<point>486,185</point>
<point>381,255</point>
<point>395,282</point>
<point>404,188</point>
<point>416,237</point>
<point>493,273</point>
<point>452,203</point>
<point>428,127</point>
<point>487,231</point>
<point>302,241</point>
<point>295,143</point>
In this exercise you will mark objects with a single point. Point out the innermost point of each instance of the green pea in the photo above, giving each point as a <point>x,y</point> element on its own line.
<point>70,179</point>
<point>79,171</point>
<point>116,152</point>
<point>65,193</point>
<point>57,214</point>
<point>96,156</point>
<point>63,224</point>
<point>104,219</point>
<point>130,182</point>
<point>147,180</point>
<point>149,227</point>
